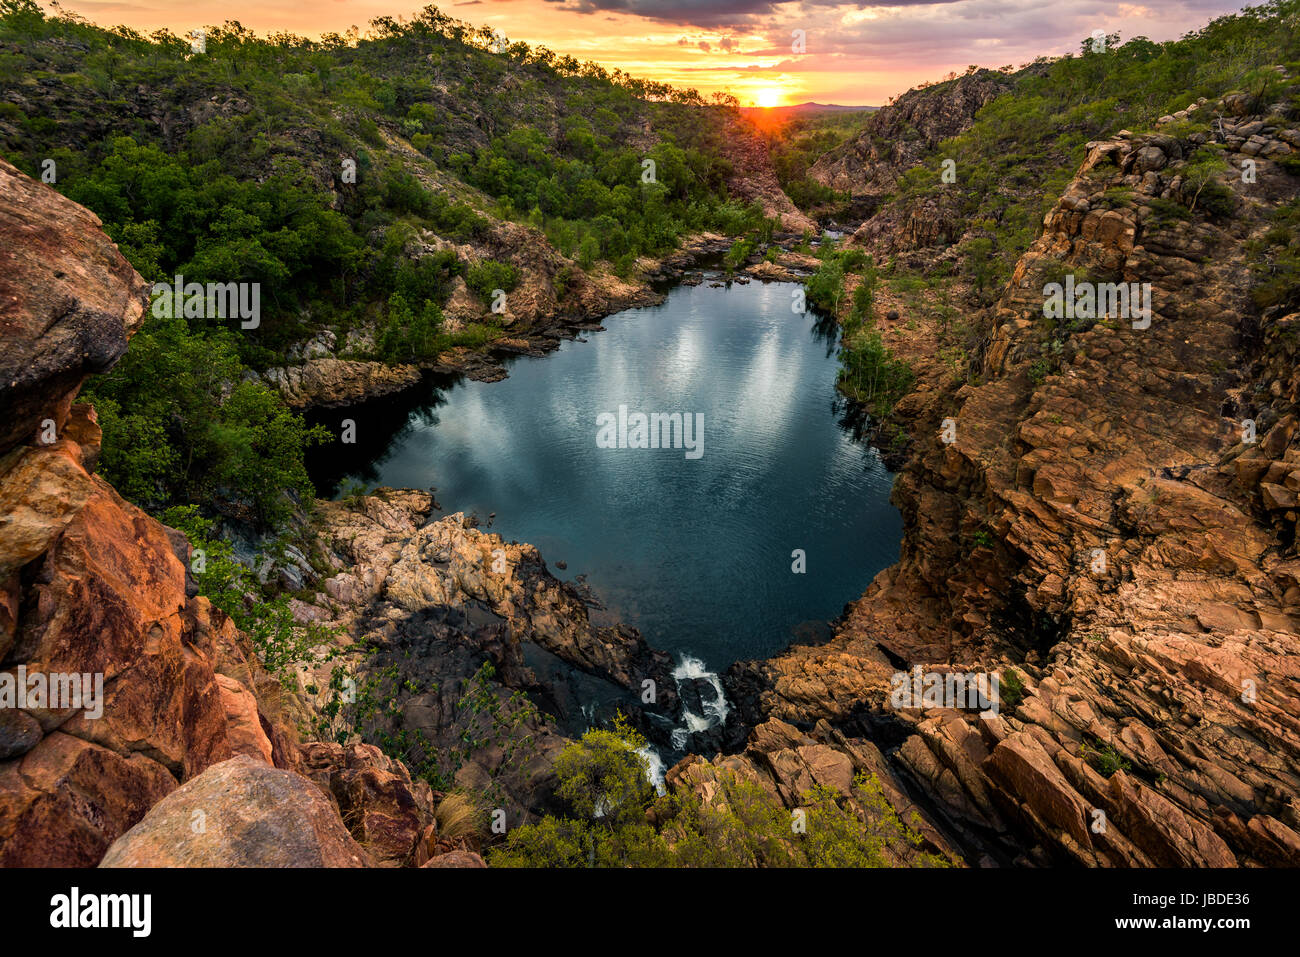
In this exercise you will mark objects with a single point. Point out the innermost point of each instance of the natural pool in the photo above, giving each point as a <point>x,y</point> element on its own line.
<point>693,544</point>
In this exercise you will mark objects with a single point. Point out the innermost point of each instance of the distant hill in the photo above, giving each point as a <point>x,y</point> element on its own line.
<point>807,108</point>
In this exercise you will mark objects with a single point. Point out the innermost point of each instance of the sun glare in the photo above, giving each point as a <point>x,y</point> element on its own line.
<point>769,97</point>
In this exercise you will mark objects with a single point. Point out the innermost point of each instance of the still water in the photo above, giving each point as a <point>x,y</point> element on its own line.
<point>694,548</point>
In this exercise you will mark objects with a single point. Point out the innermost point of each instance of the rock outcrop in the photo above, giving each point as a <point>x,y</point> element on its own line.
<point>1113,521</point>
<point>788,763</point>
<point>68,301</point>
<point>754,179</point>
<point>239,813</point>
<point>421,604</point>
<point>327,382</point>
<point>145,684</point>
<point>897,136</point>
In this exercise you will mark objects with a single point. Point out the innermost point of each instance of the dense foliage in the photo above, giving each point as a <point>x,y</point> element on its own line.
<point>615,818</point>
<point>797,141</point>
<point>183,426</point>
<point>314,169</point>
<point>869,373</point>
<point>1025,145</point>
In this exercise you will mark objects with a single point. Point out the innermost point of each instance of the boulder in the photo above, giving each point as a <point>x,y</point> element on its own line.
<point>240,813</point>
<point>68,303</point>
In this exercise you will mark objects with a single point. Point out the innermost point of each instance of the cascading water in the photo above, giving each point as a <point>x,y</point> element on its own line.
<point>696,684</point>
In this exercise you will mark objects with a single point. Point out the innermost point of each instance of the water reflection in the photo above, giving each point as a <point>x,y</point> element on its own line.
<point>697,553</point>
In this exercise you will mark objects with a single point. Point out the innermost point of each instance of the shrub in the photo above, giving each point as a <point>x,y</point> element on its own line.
<point>1011,689</point>
<point>872,375</point>
<point>1105,759</point>
<point>615,820</point>
<point>485,277</point>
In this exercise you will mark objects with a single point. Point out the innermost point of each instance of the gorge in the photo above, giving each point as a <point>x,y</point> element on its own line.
<point>1100,513</point>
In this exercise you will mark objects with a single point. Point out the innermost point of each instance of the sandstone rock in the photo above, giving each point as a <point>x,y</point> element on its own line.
<point>68,303</point>
<point>872,161</point>
<point>19,732</point>
<point>243,723</point>
<point>90,586</point>
<point>456,859</point>
<point>383,809</point>
<point>63,803</point>
<point>239,813</point>
<point>331,382</point>
<point>754,178</point>
<point>1031,776</point>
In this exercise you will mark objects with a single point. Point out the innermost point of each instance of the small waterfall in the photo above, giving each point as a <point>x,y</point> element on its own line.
<point>654,767</point>
<point>706,687</point>
<point>695,683</point>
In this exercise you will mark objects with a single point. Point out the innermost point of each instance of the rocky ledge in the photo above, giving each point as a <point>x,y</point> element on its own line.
<point>418,604</point>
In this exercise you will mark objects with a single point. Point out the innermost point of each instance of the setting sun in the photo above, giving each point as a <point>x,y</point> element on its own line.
<point>769,97</point>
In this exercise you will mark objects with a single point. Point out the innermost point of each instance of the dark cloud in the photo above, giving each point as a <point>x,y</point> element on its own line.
<point>710,14</point>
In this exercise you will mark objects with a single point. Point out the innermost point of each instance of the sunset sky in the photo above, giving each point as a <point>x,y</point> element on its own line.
<point>858,54</point>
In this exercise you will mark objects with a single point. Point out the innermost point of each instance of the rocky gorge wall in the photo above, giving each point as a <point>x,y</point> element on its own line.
<point>1104,523</point>
<point>190,756</point>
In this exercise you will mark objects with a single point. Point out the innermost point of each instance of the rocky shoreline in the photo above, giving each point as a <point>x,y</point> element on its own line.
<point>326,378</point>
<point>1158,682</point>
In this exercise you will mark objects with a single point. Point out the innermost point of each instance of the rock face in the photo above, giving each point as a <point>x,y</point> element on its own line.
<point>331,382</point>
<point>754,178</point>
<point>68,303</point>
<point>1106,525</point>
<point>383,808</point>
<point>431,602</point>
<point>898,135</point>
<point>239,813</point>
<point>895,139</point>
<point>93,592</point>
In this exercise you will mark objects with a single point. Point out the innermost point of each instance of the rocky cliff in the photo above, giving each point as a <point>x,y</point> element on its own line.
<point>1109,513</point>
<point>897,136</point>
<point>92,585</point>
<point>137,696</point>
